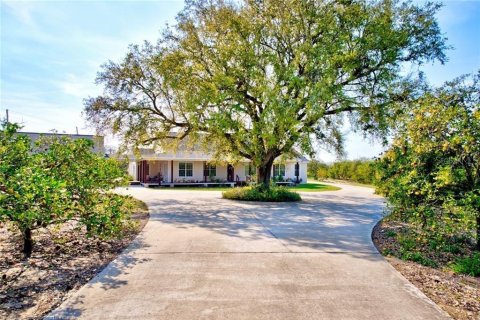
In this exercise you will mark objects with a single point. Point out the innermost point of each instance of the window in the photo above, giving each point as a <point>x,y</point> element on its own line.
<point>185,169</point>
<point>278,170</point>
<point>250,169</point>
<point>210,170</point>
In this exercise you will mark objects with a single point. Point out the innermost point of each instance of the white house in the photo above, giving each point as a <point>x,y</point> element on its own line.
<point>196,167</point>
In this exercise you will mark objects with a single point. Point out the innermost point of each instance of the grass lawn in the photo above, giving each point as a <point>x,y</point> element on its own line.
<point>306,187</point>
<point>313,187</point>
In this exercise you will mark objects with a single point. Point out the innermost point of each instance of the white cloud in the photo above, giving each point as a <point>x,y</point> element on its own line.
<point>76,86</point>
<point>25,13</point>
<point>22,10</point>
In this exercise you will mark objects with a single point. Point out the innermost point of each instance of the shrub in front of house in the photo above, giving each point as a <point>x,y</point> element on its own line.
<point>252,193</point>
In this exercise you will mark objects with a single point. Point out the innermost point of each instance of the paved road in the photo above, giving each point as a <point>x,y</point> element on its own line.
<point>202,257</point>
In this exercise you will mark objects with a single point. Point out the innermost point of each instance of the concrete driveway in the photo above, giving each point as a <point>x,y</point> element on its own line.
<point>202,257</point>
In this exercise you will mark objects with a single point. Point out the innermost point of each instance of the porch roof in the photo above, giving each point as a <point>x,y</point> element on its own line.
<point>150,158</point>
<point>152,155</point>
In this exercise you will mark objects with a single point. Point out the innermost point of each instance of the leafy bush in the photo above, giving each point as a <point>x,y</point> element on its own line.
<point>388,252</point>
<point>273,194</point>
<point>409,250</point>
<point>468,265</point>
<point>391,234</point>
<point>313,168</point>
<point>431,173</point>
<point>58,180</point>
<point>419,258</point>
<point>407,243</point>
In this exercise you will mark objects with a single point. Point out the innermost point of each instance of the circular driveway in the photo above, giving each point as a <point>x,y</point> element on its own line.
<point>203,257</point>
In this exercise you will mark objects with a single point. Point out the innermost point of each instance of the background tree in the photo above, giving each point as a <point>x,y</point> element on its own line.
<point>313,167</point>
<point>361,170</point>
<point>58,180</point>
<point>431,174</point>
<point>255,79</point>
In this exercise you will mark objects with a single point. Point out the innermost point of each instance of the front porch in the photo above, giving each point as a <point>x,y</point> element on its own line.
<point>186,173</point>
<point>199,184</point>
<point>193,172</point>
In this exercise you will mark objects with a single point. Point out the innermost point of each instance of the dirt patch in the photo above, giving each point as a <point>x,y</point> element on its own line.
<point>459,295</point>
<point>63,259</point>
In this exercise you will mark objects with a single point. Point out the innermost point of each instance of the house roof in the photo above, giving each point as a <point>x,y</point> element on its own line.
<point>58,134</point>
<point>98,140</point>
<point>151,154</point>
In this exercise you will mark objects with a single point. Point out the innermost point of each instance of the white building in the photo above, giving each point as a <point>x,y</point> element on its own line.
<point>98,141</point>
<point>195,167</point>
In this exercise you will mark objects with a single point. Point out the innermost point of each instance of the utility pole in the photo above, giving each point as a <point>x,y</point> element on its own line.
<point>6,111</point>
<point>77,130</point>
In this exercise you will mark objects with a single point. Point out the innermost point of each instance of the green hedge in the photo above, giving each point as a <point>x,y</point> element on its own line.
<point>362,171</point>
<point>273,194</point>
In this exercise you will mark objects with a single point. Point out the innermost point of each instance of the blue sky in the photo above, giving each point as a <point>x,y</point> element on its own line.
<point>51,51</point>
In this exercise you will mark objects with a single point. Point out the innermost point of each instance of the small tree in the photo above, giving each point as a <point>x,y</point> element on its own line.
<point>313,168</point>
<point>59,180</point>
<point>322,172</point>
<point>254,79</point>
<point>431,174</point>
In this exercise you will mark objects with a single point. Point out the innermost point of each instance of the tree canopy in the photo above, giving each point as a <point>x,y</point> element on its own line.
<point>256,79</point>
<point>431,173</point>
<point>55,181</point>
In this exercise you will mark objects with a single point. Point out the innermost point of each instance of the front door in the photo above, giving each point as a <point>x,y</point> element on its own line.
<point>230,173</point>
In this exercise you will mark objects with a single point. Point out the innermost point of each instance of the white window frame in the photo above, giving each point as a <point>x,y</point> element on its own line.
<point>209,168</point>
<point>185,169</point>
<point>277,170</point>
<point>250,169</point>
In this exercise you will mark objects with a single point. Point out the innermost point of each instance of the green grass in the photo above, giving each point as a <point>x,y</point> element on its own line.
<point>313,187</point>
<point>468,265</point>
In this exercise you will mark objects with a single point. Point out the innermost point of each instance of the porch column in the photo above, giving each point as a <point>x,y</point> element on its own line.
<point>133,170</point>
<point>140,171</point>
<point>204,171</point>
<point>171,171</point>
<point>297,171</point>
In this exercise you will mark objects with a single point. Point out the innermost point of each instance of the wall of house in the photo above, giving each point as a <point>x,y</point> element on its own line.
<point>240,171</point>
<point>303,172</point>
<point>197,171</point>
<point>156,167</point>
<point>221,172</point>
<point>290,171</point>
<point>132,170</point>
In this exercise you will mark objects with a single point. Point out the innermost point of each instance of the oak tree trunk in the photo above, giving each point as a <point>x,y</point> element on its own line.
<point>264,173</point>
<point>27,242</point>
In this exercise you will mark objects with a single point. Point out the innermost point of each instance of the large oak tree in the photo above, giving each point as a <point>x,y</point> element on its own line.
<point>255,79</point>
